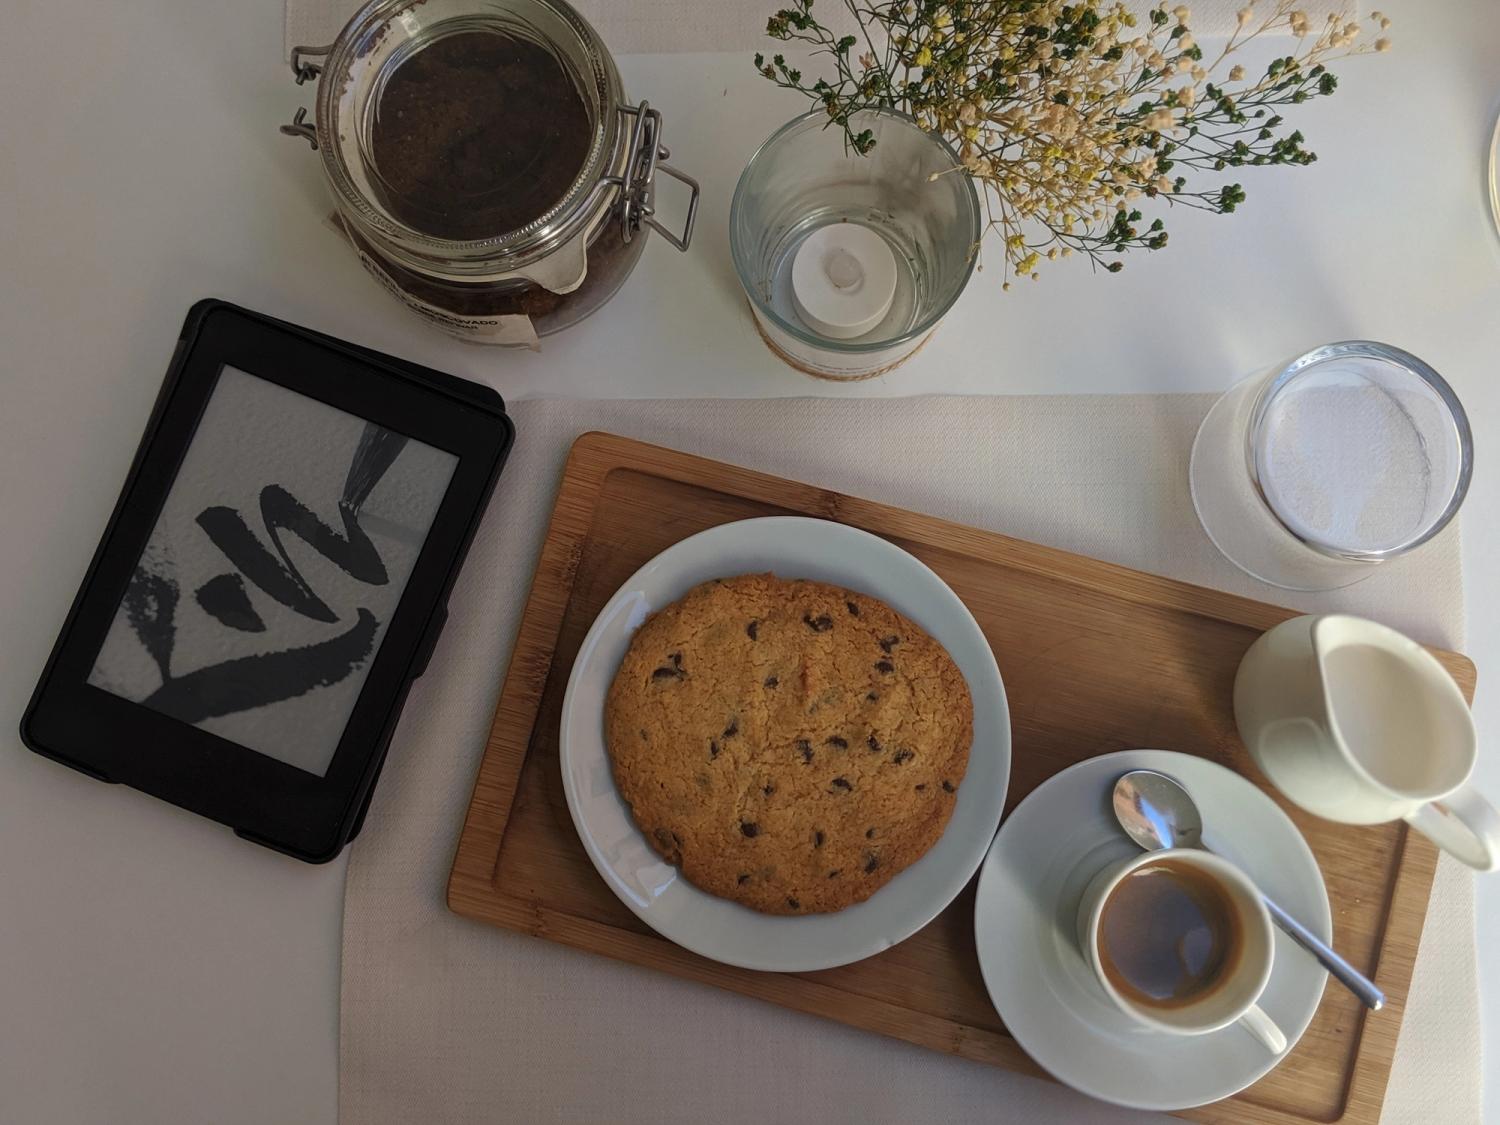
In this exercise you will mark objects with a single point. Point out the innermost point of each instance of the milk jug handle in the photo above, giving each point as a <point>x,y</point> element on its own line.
<point>1463,824</point>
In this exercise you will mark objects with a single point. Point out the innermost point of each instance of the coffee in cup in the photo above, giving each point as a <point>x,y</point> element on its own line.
<point>1180,940</point>
<point>1169,934</point>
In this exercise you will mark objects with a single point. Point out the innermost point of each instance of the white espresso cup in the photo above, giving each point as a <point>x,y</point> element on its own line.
<point>1231,997</point>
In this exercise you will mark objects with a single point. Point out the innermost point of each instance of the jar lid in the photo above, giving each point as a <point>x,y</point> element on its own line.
<point>480,134</point>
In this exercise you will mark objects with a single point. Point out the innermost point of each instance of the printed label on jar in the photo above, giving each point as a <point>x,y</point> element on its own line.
<point>510,331</point>
<point>831,364</point>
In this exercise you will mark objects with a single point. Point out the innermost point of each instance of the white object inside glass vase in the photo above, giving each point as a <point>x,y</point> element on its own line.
<point>843,280</point>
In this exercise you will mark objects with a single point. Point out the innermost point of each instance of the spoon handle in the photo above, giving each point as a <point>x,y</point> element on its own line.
<point>1345,973</point>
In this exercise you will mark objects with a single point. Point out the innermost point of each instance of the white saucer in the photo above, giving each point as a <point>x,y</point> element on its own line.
<point>1025,917</point>
<point>792,547</point>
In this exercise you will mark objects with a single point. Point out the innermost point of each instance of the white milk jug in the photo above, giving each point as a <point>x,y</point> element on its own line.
<point>1359,724</point>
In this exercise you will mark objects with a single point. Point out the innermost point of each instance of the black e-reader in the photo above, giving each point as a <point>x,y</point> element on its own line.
<point>273,577</point>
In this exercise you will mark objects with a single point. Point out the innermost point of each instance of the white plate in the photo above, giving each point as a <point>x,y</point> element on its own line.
<point>791,547</point>
<point>1025,919</point>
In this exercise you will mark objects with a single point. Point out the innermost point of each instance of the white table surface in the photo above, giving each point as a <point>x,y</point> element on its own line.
<point>157,969</point>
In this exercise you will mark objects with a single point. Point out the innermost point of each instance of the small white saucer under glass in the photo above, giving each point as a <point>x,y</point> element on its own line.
<point>1025,925</point>
<point>790,547</point>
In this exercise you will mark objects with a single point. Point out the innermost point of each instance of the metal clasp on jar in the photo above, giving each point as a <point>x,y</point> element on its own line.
<point>637,182</point>
<point>305,71</point>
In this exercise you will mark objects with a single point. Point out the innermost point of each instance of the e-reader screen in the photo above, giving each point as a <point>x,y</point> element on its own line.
<point>271,574</point>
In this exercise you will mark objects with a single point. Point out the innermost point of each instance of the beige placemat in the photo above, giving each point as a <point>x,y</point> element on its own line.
<point>647,26</point>
<point>448,1020</point>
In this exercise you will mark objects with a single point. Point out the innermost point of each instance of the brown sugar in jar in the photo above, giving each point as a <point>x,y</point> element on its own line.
<point>478,134</point>
<point>611,259</point>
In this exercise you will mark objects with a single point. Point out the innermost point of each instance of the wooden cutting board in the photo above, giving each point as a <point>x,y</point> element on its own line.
<point>1096,658</point>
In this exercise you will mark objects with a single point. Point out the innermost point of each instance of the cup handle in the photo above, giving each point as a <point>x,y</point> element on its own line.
<point>1463,824</point>
<point>1260,1025</point>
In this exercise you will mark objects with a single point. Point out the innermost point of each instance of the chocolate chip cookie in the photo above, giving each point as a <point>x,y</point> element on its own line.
<point>788,744</point>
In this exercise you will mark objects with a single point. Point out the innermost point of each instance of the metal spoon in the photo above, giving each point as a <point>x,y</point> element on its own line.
<point>1157,812</point>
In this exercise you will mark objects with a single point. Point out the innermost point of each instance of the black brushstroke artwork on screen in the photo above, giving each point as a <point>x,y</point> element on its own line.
<point>150,603</point>
<point>254,681</point>
<point>261,555</point>
<point>353,551</point>
<point>224,597</point>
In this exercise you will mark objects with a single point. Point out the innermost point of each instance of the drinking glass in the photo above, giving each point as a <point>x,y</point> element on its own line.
<point>1311,475</point>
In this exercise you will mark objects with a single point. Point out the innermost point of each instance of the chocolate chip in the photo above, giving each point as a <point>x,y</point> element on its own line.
<point>742,880</point>
<point>836,741</point>
<point>645,737</point>
<point>834,874</point>
<point>671,846</point>
<point>874,744</point>
<point>751,629</point>
<point>884,666</point>
<point>817,838</point>
<point>713,749</point>
<point>872,861</point>
<point>806,748</point>
<point>768,789</point>
<point>869,833</point>
<point>842,783</point>
<point>820,624</point>
<point>852,608</point>
<point>732,729</point>
<point>902,756</point>
<point>793,903</point>
<point>749,828</point>
<point>947,787</point>
<point>889,643</point>
<point>772,681</point>
<point>873,696</point>
<point>675,671</point>
<point>921,786</point>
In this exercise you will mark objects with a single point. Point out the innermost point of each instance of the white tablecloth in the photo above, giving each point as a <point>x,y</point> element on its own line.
<point>445,1019</point>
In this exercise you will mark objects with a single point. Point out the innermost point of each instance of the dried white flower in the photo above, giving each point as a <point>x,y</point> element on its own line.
<point>1071,133</point>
